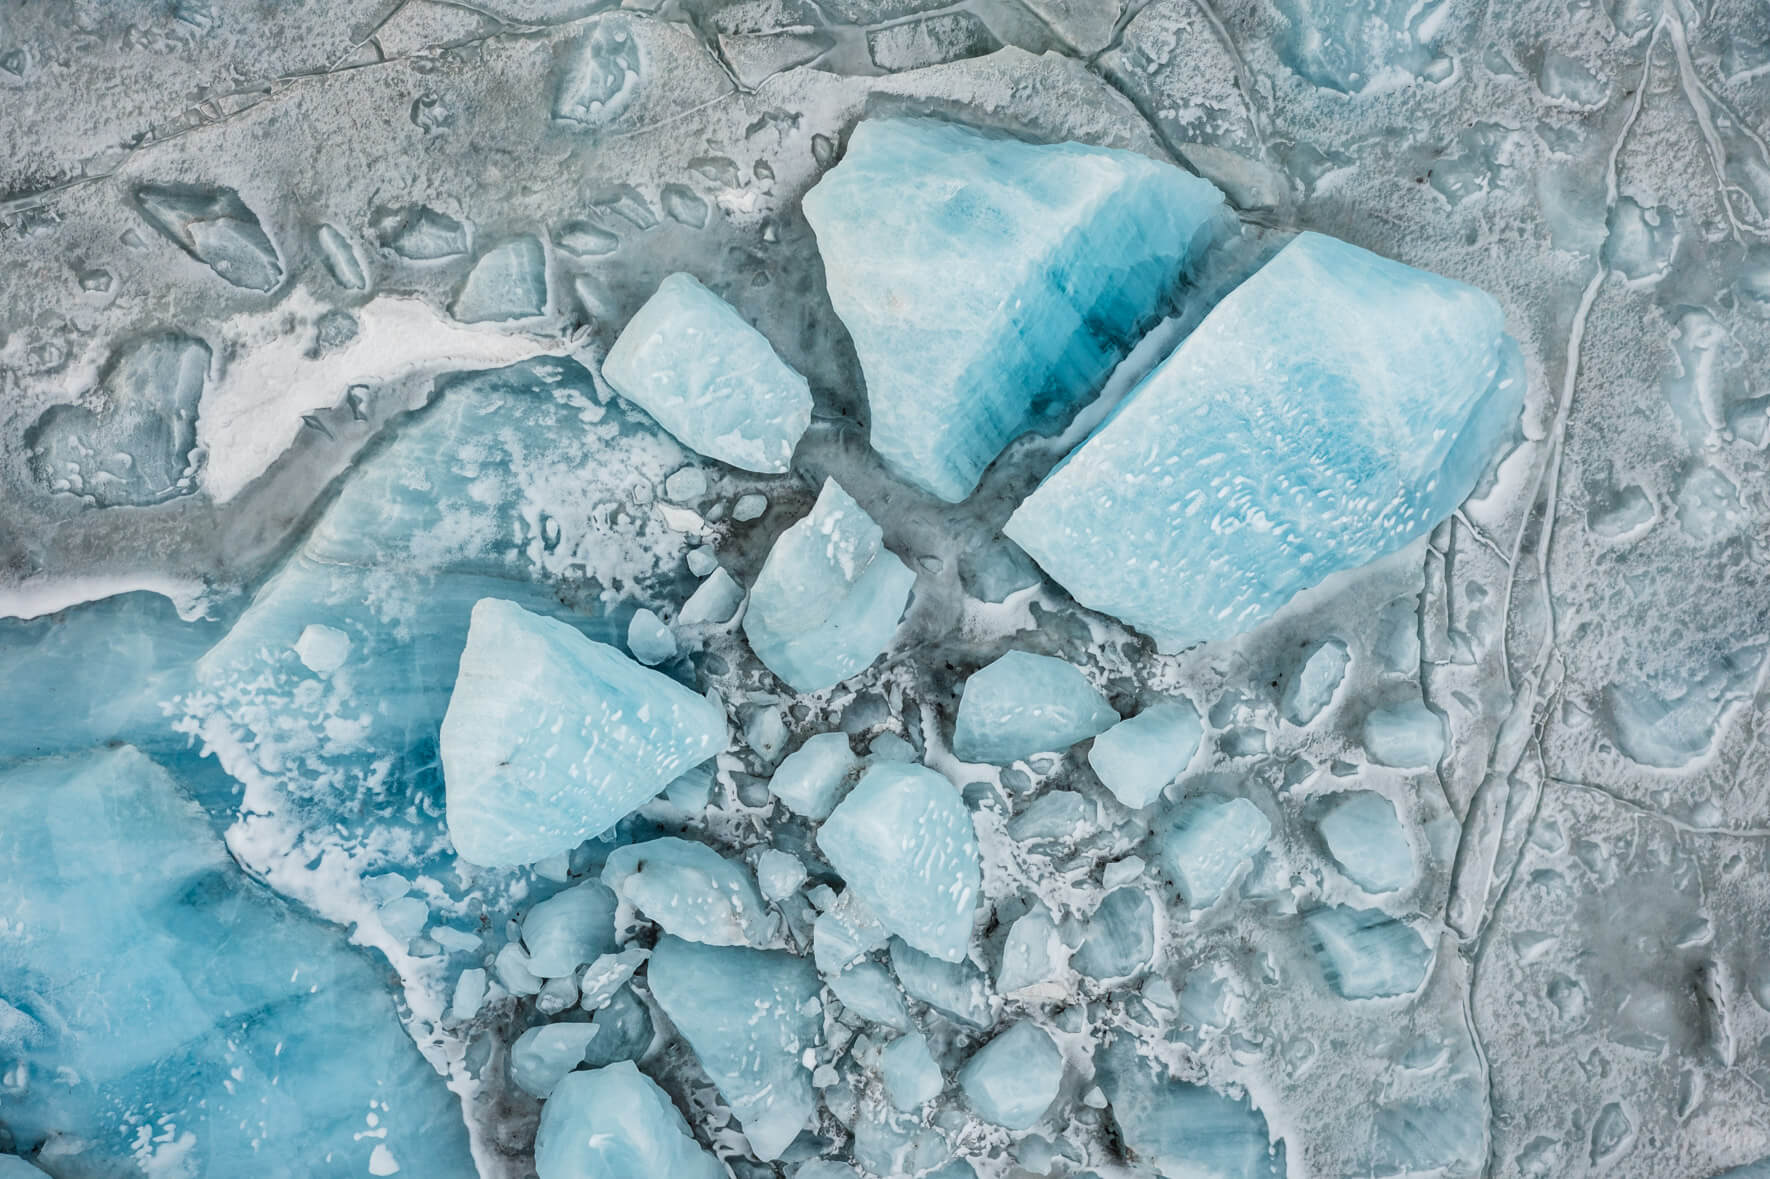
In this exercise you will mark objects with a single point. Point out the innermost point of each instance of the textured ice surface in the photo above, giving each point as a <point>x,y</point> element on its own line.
<point>989,284</point>
<point>1334,407</point>
<point>829,596</point>
<point>1140,755</point>
<point>615,1123</point>
<point>688,359</point>
<point>1013,1079</point>
<point>690,891</point>
<point>1024,704</point>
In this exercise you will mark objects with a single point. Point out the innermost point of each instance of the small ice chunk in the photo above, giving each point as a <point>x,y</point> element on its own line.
<point>322,649</point>
<point>214,226</point>
<point>615,1123</point>
<point>1331,409</point>
<point>508,282</point>
<point>551,738</point>
<point>1121,936</point>
<point>1365,953</point>
<point>867,989</point>
<point>912,1078</point>
<point>889,746</point>
<point>1408,736</point>
<point>470,992</point>
<point>689,890</point>
<point>1181,1129</point>
<point>568,929</point>
<point>1367,841</point>
<point>556,995</point>
<point>811,778</point>
<point>903,841</point>
<point>1013,1079</point>
<point>779,874</point>
<point>1313,686</point>
<point>957,988</point>
<point>1032,953</point>
<point>1024,704</point>
<point>828,598</point>
<point>685,485</point>
<point>512,966</point>
<point>751,1017</point>
<point>1139,756</point>
<point>765,732</point>
<point>715,600</point>
<point>749,507</point>
<point>844,934</point>
<point>542,1056</point>
<point>624,1029</point>
<point>1206,841</point>
<point>604,978</point>
<point>709,378</point>
<point>649,639</point>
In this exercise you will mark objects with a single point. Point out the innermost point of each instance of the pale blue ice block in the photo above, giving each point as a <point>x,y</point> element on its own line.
<point>1206,841</point>
<point>1367,841</point>
<point>1013,1079</point>
<point>1332,408</point>
<point>1365,953</point>
<point>990,285</point>
<point>828,598</point>
<point>1024,704</point>
<point>911,1075</point>
<point>551,737</point>
<point>697,366</point>
<point>1140,755</point>
<point>1182,1129</point>
<point>810,779</point>
<point>573,926</point>
<point>904,843</point>
<point>689,890</point>
<point>615,1123</point>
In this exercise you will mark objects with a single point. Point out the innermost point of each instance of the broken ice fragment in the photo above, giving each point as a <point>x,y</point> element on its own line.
<point>1024,704</point>
<point>1121,936</point>
<point>542,1056</point>
<point>508,282</point>
<point>709,378</point>
<point>715,601</point>
<point>911,1075</point>
<point>1013,1079</point>
<point>904,843</point>
<point>615,1123</point>
<point>1367,841</point>
<point>568,929</point>
<point>420,234</point>
<point>214,226</point>
<point>1331,409</point>
<point>649,639</point>
<point>990,285</point>
<point>1410,736</point>
<point>867,989</point>
<point>1033,952</point>
<point>779,874</point>
<point>1206,841</point>
<point>1139,756</point>
<point>958,989</point>
<point>341,259</point>
<point>811,778</point>
<point>828,598</point>
<point>1366,954</point>
<point>1312,687</point>
<point>690,891</point>
<point>751,1017</point>
<point>1184,1131</point>
<point>551,738</point>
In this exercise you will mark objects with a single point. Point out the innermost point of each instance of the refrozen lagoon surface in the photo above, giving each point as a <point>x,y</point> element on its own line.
<point>1503,909</point>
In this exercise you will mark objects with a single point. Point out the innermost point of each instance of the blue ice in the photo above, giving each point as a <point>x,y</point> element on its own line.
<point>1013,1079</point>
<point>1139,756</point>
<point>616,1123</point>
<point>1206,841</point>
<point>1182,1129</point>
<point>1367,954</point>
<point>690,891</point>
<point>1024,704</point>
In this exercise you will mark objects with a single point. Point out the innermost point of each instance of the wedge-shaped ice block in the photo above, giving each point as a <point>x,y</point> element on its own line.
<point>1206,841</point>
<point>1013,1079</point>
<point>1024,704</point>
<point>990,285</point>
<point>1365,953</point>
<point>1140,755</point>
<point>144,976</point>
<point>552,737</point>
<point>750,1016</point>
<point>811,778</point>
<point>910,1073</point>
<point>903,841</point>
<point>615,1123</point>
<point>1329,410</point>
<point>693,363</point>
<point>690,890</point>
<point>1184,1131</point>
<point>828,598</point>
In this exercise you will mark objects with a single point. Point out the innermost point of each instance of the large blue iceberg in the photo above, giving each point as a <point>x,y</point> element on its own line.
<point>990,285</point>
<point>1332,408</point>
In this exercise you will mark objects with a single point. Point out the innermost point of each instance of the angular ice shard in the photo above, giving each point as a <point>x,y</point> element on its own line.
<point>615,1123</point>
<point>1312,687</point>
<point>1184,1131</point>
<point>1332,408</point>
<point>1206,841</point>
<point>1032,953</point>
<point>552,737</point>
<point>1367,954</point>
<point>568,929</point>
<point>214,226</point>
<point>904,843</point>
<point>990,285</point>
<point>811,778</point>
<point>958,989</point>
<point>542,1056</point>
<point>1013,1079</point>
<point>697,366</point>
<point>649,639</point>
<point>1121,936</point>
<point>867,989</point>
<point>690,891</point>
<point>1139,756</point>
<point>1367,841</point>
<point>1024,704</point>
<point>910,1073</point>
<point>751,1017</point>
<point>829,596</point>
<point>508,282</point>
<point>145,972</point>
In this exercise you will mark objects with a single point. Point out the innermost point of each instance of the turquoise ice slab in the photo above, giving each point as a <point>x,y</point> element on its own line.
<point>144,980</point>
<point>1332,408</point>
<point>828,598</point>
<point>693,363</point>
<point>751,1016</point>
<point>990,285</point>
<point>551,738</point>
<point>1184,1131</point>
<point>1024,704</point>
<point>615,1123</point>
<point>1139,756</point>
<point>1013,1079</point>
<point>904,843</point>
<point>1365,953</point>
<point>689,890</point>
<point>1205,842</point>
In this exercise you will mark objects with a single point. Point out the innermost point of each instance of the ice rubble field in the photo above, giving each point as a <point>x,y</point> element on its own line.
<point>1032,588</point>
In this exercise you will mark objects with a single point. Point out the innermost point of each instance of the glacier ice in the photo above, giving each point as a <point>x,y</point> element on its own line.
<point>956,988</point>
<point>1367,841</point>
<point>1024,704</point>
<point>991,284</point>
<point>551,737</point>
<point>1332,408</point>
<point>810,779</point>
<point>1014,1079</point>
<point>573,926</point>
<point>215,227</point>
<point>690,891</point>
<point>903,841</point>
<point>692,362</point>
<point>912,1077</point>
<point>1185,1130</point>
<point>616,1123</point>
<point>1365,953</point>
<point>543,1056</point>
<point>1141,754</point>
<point>829,596</point>
<point>1206,841</point>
